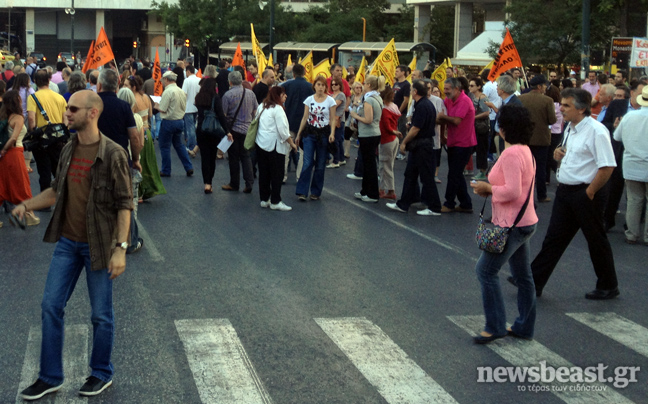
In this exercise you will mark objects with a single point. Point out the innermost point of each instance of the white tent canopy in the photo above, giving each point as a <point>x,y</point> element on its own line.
<point>474,54</point>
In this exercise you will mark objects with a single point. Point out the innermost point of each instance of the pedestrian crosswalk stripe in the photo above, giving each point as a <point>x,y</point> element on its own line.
<point>75,363</point>
<point>530,353</point>
<point>387,367</point>
<point>149,244</point>
<point>618,328</point>
<point>221,368</point>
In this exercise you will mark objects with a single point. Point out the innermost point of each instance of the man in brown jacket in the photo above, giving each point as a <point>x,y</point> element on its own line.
<point>543,115</point>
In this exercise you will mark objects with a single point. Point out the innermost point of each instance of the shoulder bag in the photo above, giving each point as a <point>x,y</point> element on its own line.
<point>211,125</point>
<point>233,120</point>
<point>45,136</point>
<point>250,136</point>
<point>493,239</point>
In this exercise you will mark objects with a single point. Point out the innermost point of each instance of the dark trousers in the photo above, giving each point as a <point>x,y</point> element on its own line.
<point>358,168</point>
<point>46,164</point>
<point>552,165</point>
<point>271,173</point>
<point>540,156</point>
<point>573,210</point>
<point>208,149</point>
<point>421,162</point>
<point>368,146</point>
<point>457,159</point>
<point>239,157</point>
<point>615,185</point>
<point>482,150</point>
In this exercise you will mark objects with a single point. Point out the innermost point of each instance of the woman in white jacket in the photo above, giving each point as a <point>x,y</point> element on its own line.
<point>274,142</point>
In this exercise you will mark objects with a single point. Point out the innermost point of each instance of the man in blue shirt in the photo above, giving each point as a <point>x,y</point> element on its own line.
<point>118,124</point>
<point>297,89</point>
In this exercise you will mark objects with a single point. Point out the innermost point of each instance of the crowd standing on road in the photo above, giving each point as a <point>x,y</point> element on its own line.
<point>590,135</point>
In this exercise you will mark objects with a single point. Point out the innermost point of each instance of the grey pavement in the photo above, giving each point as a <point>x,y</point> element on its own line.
<point>278,277</point>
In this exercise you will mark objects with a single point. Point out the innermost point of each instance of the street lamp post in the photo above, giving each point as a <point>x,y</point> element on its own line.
<point>364,29</point>
<point>71,11</point>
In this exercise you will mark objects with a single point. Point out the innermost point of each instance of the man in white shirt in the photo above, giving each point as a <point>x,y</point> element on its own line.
<point>191,87</point>
<point>587,161</point>
<point>490,90</point>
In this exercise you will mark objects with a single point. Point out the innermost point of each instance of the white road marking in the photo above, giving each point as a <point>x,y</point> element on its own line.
<point>221,369</point>
<point>386,366</point>
<point>618,328</point>
<point>436,240</point>
<point>148,244</point>
<point>75,363</point>
<point>521,353</point>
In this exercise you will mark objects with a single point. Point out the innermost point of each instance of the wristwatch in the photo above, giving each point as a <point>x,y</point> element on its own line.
<point>123,245</point>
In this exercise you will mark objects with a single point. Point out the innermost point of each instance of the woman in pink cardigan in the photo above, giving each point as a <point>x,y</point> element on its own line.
<point>511,179</point>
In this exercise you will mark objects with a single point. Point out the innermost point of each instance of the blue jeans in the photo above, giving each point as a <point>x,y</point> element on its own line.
<point>171,133</point>
<point>190,129</point>
<point>339,142</point>
<point>314,157</point>
<point>516,253</point>
<point>69,259</point>
<point>156,121</point>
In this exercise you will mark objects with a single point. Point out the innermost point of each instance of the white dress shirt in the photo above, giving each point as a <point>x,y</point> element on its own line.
<point>490,90</point>
<point>273,129</point>
<point>632,132</point>
<point>191,87</point>
<point>589,148</point>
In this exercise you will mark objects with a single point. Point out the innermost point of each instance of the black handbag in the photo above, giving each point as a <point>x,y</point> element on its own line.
<point>211,124</point>
<point>45,136</point>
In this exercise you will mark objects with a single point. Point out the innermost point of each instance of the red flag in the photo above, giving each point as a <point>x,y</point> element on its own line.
<point>157,75</point>
<point>238,58</point>
<point>507,58</point>
<point>88,58</point>
<point>102,52</point>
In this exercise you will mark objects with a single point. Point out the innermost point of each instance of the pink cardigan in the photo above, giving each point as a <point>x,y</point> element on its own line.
<point>511,178</point>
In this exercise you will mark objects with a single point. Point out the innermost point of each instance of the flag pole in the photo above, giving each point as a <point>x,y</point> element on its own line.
<point>525,77</point>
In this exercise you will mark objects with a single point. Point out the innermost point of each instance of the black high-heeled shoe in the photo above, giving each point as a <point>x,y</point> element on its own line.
<point>480,339</point>
<point>209,190</point>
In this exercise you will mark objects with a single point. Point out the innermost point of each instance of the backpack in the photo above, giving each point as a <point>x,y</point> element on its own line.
<point>34,68</point>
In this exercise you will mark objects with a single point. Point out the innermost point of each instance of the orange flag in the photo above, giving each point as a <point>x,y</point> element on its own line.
<point>88,58</point>
<point>507,58</point>
<point>157,75</point>
<point>102,52</point>
<point>199,74</point>
<point>238,58</point>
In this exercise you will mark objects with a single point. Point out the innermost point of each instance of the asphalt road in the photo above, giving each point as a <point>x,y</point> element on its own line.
<point>337,301</point>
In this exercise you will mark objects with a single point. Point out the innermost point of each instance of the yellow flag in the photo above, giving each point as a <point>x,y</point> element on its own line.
<point>258,53</point>
<point>307,62</point>
<point>440,75</point>
<point>270,63</point>
<point>323,68</point>
<point>385,64</point>
<point>345,72</point>
<point>362,69</point>
<point>488,66</point>
<point>289,62</point>
<point>299,61</point>
<point>412,67</point>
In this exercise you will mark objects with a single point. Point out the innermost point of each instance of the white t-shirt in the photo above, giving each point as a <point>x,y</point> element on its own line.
<point>632,132</point>
<point>191,87</point>
<point>588,149</point>
<point>318,112</point>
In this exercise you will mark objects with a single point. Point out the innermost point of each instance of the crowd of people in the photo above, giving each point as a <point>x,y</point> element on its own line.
<point>518,132</point>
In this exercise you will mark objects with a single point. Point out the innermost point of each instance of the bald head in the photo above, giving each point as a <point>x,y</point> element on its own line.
<point>84,108</point>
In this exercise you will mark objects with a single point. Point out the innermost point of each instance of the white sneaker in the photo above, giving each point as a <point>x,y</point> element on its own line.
<point>333,165</point>
<point>265,204</point>
<point>365,198</point>
<point>428,212</point>
<point>358,195</point>
<point>353,177</point>
<point>280,206</point>
<point>395,207</point>
<point>343,162</point>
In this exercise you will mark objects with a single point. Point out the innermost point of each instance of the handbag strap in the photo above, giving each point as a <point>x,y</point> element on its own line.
<point>526,203</point>
<point>213,102</point>
<point>239,107</point>
<point>40,107</point>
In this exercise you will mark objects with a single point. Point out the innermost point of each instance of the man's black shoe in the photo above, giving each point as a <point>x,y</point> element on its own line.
<point>600,294</point>
<point>94,386</point>
<point>38,390</point>
<point>190,173</point>
<point>138,246</point>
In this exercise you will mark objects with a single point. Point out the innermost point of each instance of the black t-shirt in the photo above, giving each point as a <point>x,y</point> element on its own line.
<point>223,81</point>
<point>424,118</point>
<point>401,90</point>
<point>145,73</point>
<point>180,72</point>
<point>116,119</point>
<point>261,90</point>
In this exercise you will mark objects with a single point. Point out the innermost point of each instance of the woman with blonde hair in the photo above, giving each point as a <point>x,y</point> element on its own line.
<point>388,148</point>
<point>368,117</point>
